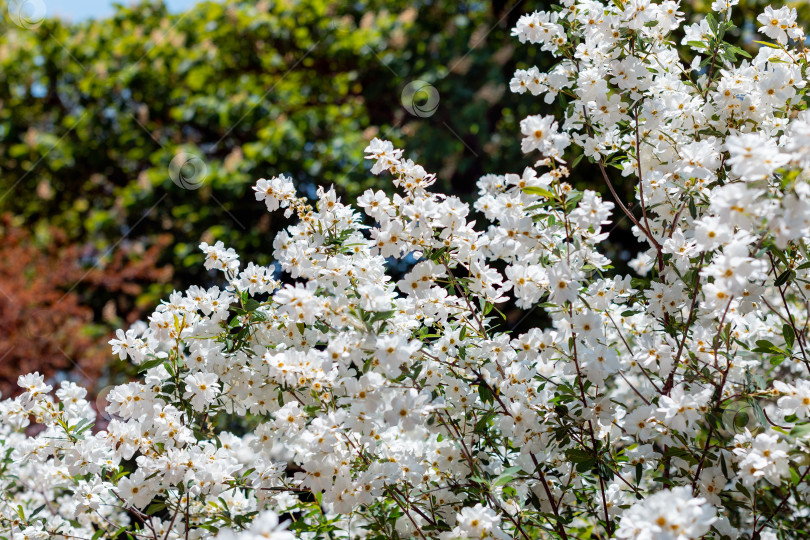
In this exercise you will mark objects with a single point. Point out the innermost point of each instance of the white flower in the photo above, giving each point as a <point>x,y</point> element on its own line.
<point>754,156</point>
<point>540,133</point>
<point>265,526</point>
<point>477,522</point>
<point>563,284</point>
<point>89,495</point>
<point>763,456</point>
<point>34,387</point>
<point>540,27</point>
<point>779,24</point>
<point>681,408</point>
<point>220,258</point>
<point>668,515</point>
<point>299,302</point>
<point>407,410</point>
<point>384,153</point>
<point>136,490</point>
<point>796,399</point>
<point>202,389</point>
<point>277,192</point>
<point>723,6</point>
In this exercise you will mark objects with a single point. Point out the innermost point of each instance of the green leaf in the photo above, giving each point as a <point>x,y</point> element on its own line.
<point>382,315</point>
<point>737,50</point>
<point>794,476</point>
<point>776,360</point>
<point>506,476</point>
<point>149,364</point>
<point>155,507</point>
<point>82,426</point>
<point>765,346</point>
<point>576,455</point>
<point>783,278</point>
<point>800,431</point>
<point>789,334</point>
<point>534,190</point>
<point>251,304</point>
<point>758,412</point>
<point>436,255</point>
<point>604,471</point>
<point>117,533</point>
<point>779,254</point>
<point>572,199</point>
<point>36,511</point>
<point>481,425</point>
<point>485,393</point>
<point>674,451</point>
<point>712,22</point>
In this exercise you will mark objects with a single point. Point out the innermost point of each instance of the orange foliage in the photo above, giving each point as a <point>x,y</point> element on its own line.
<point>46,320</point>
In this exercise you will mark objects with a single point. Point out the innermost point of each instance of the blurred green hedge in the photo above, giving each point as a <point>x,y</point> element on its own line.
<point>94,113</point>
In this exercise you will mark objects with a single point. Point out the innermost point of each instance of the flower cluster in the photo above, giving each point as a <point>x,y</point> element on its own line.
<point>377,392</point>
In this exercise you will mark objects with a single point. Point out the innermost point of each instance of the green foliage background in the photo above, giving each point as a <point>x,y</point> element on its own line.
<point>94,112</point>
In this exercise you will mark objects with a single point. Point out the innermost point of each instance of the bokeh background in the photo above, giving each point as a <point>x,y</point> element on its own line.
<point>129,134</point>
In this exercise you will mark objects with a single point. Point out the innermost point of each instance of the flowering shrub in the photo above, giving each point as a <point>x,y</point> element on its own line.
<point>345,404</point>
